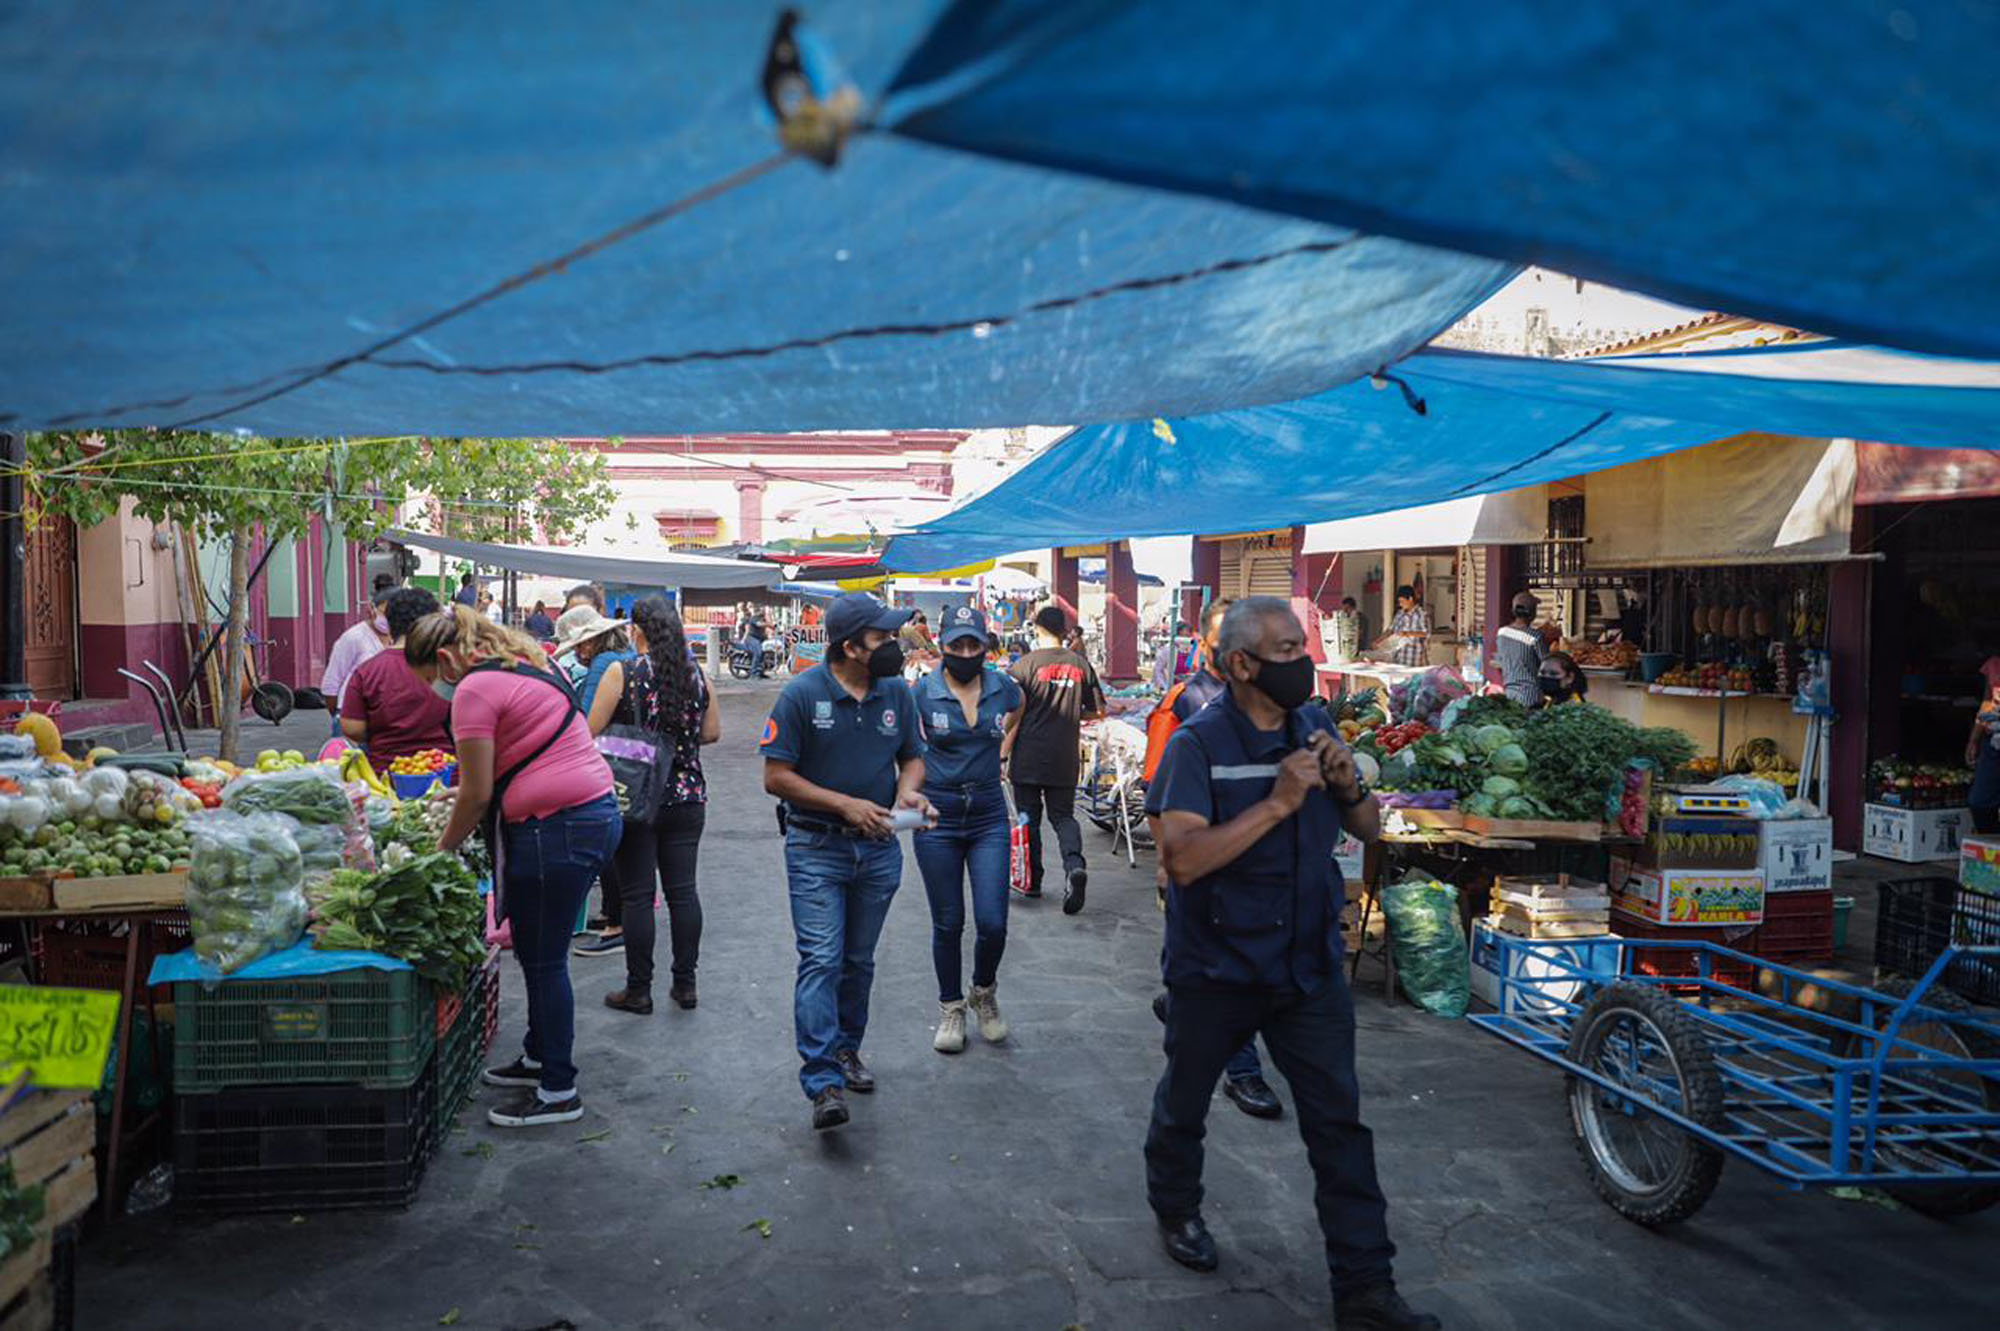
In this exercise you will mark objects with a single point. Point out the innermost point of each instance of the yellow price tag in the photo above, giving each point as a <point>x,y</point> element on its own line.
<point>59,1037</point>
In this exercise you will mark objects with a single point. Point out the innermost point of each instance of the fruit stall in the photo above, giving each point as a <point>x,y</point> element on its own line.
<point>301,983</point>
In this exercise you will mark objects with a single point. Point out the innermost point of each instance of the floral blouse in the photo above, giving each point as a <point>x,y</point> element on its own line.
<point>641,707</point>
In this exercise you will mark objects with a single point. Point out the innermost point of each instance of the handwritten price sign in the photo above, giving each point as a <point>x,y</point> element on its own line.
<point>59,1037</point>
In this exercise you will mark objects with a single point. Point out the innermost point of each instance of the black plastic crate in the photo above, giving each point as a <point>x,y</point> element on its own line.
<point>1919,917</point>
<point>302,1148</point>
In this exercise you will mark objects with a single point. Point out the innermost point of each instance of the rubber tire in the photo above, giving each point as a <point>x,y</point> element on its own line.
<point>1945,1203</point>
<point>1702,1094</point>
<point>739,664</point>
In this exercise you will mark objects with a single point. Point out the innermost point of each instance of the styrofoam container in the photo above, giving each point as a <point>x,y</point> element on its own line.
<point>1544,968</point>
<point>1913,836</point>
<point>1796,854</point>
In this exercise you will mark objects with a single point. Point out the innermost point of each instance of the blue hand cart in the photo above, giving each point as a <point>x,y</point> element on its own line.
<point>1820,1083</point>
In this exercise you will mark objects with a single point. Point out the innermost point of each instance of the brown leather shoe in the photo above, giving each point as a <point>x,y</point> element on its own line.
<point>859,1079</point>
<point>636,1001</point>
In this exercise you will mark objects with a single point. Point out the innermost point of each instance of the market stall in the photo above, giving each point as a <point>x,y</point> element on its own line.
<point>321,956</point>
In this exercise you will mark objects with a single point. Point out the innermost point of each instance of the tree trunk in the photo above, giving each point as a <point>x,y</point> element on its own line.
<point>230,708</point>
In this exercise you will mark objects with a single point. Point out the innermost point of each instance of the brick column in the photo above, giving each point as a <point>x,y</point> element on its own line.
<point>1121,612</point>
<point>750,511</point>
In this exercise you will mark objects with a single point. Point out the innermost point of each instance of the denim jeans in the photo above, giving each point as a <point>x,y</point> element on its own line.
<point>551,863</point>
<point>1311,1038</point>
<point>969,842</point>
<point>841,887</point>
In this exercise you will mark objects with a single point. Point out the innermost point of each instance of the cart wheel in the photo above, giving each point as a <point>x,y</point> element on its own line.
<point>1649,1170</point>
<point>1958,1042</point>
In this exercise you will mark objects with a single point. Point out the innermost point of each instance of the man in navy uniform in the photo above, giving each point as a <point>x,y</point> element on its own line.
<point>1251,797</point>
<point>843,750</point>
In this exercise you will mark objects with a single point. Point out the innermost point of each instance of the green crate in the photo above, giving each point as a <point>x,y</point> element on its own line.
<point>363,1027</point>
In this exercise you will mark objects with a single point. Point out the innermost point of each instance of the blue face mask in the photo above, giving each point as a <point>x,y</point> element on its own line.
<point>443,688</point>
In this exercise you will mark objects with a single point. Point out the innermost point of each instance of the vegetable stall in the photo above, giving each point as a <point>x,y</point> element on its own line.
<point>282,936</point>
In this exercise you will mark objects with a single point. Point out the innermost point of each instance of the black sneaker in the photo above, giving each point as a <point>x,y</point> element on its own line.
<point>859,1079</point>
<point>829,1109</point>
<point>603,945</point>
<point>1379,1308</point>
<point>1073,897</point>
<point>526,1109</point>
<point>518,1073</point>
<point>684,995</point>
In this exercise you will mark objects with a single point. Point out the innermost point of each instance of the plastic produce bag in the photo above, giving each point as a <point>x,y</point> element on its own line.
<point>1767,798</point>
<point>310,794</point>
<point>245,893</point>
<point>1429,941</point>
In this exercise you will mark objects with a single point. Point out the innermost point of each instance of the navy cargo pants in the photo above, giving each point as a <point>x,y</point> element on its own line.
<point>1311,1039</point>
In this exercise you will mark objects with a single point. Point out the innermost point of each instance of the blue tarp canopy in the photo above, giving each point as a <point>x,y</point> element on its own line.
<point>1487,423</point>
<point>1832,164</point>
<point>195,210</point>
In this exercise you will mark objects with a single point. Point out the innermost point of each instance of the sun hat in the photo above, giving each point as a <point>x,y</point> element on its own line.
<point>579,624</point>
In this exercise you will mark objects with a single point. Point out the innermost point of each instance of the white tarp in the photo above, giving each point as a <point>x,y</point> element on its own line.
<point>1748,499</point>
<point>581,564</point>
<point>1512,517</point>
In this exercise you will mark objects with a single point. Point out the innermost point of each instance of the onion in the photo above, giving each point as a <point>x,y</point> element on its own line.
<point>28,813</point>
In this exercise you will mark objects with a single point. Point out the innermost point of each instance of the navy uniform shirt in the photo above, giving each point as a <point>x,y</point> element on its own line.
<point>1203,687</point>
<point>956,754</point>
<point>1270,919</point>
<point>841,744</point>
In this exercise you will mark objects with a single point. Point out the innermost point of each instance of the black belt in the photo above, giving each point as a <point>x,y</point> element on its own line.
<point>811,824</point>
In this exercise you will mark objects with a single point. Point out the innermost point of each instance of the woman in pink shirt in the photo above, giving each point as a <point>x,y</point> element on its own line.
<point>530,776</point>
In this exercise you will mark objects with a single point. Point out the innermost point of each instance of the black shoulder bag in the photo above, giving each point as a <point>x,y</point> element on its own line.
<point>641,759</point>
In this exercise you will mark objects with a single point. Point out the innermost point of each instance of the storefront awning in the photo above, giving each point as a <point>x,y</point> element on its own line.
<point>586,565</point>
<point>1512,517</point>
<point>1754,499</point>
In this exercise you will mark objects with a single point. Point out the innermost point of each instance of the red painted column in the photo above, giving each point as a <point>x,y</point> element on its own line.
<point>1121,612</point>
<point>1063,582</point>
<point>750,511</point>
<point>1205,569</point>
<point>1506,575</point>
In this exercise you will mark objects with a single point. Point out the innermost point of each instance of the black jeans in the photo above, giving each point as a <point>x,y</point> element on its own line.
<point>1311,1038</point>
<point>1061,804</point>
<point>663,850</point>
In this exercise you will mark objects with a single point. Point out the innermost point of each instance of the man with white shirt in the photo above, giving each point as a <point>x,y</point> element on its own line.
<point>1520,650</point>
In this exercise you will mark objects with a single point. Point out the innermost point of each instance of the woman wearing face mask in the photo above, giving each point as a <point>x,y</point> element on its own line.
<point>351,649</point>
<point>598,654</point>
<point>1561,679</point>
<point>966,711</point>
<point>666,693</point>
<point>529,777</point>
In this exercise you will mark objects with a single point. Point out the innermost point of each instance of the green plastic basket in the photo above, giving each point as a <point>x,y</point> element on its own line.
<point>363,1027</point>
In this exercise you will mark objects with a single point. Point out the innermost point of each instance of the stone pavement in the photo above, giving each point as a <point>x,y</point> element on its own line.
<point>1002,1188</point>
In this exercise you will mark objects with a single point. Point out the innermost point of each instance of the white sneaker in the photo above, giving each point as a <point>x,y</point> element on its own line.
<point>986,1012</point>
<point>950,1038</point>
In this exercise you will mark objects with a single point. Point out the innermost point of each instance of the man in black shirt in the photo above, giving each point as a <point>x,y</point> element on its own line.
<point>1043,752</point>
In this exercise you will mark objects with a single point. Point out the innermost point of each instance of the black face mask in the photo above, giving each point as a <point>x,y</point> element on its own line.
<point>1554,689</point>
<point>964,669</point>
<point>1286,683</point>
<point>886,660</point>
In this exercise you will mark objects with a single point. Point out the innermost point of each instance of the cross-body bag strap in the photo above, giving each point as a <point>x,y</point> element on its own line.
<point>490,826</point>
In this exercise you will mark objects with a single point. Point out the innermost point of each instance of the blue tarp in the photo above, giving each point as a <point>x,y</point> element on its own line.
<point>1833,164</point>
<point>1488,423</point>
<point>300,959</point>
<point>192,208</point>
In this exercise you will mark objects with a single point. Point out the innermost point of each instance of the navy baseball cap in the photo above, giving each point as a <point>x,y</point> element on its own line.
<point>855,612</point>
<point>962,621</point>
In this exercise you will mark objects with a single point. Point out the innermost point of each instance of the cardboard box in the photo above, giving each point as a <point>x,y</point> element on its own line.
<point>132,891</point>
<point>1913,835</point>
<point>1715,841</point>
<point>1547,969</point>
<point>1979,865</point>
<point>1796,854</point>
<point>1705,897</point>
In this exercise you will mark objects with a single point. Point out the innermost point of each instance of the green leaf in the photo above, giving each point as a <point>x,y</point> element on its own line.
<point>595,1136</point>
<point>449,1319</point>
<point>763,1228</point>
<point>723,1182</point>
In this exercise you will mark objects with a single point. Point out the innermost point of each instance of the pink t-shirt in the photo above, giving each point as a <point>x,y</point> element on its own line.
<point>517,713</point>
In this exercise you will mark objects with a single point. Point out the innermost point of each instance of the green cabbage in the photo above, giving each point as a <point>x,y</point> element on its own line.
<point>1509,760</point>
<point>1517,806</point>
<point>1491,738</point>
<point>1500,787</point>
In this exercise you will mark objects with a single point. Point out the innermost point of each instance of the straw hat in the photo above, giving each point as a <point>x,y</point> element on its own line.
<point>579,624</point>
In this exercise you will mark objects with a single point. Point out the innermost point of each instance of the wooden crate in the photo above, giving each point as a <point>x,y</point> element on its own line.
<point>1533,829</point>
<point>125,891</point>
<point>48,1137</point>
<point>30,893</point>
<point>1445,818</point>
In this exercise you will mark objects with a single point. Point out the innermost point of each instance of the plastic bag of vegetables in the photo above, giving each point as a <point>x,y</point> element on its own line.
<point>245,892</point>
<point>1429,942</point>
<point>310,794</point>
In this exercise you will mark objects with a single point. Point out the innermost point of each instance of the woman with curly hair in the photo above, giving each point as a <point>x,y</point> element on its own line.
<point>666,693</point>
<point>530,776</point>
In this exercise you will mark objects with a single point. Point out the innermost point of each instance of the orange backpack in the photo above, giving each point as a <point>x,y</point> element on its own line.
<point>1160,727</point>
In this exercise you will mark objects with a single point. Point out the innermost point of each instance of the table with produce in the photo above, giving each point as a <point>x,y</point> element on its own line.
<point>289,871</point>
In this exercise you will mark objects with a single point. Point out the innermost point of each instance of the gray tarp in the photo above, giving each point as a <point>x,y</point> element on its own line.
<point>585,565</point>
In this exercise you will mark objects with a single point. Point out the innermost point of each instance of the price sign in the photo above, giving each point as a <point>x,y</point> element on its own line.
<point>59,1037</point>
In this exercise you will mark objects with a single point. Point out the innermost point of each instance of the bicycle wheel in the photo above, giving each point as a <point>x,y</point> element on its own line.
<point>1649,1169</point>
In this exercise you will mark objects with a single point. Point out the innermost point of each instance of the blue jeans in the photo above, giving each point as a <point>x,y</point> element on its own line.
<point>969,842</point>
<point>551,863</point>
<point>841,887</point>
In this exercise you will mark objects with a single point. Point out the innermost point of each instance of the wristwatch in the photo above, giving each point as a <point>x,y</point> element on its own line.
<point>1361,794</point>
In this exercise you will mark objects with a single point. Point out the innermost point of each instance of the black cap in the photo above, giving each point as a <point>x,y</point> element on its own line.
<point>962,622</point>
<point>1526,604</point>
<point>855,612</point>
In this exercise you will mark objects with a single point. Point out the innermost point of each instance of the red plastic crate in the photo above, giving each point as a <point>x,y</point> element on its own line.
<point>489,1007</point>
<point>449,1006</point>
<point>1684,963</point>
<point>92,956</point>
<point>1797,927</point>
